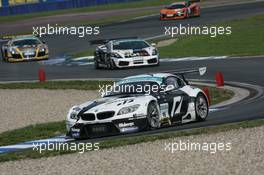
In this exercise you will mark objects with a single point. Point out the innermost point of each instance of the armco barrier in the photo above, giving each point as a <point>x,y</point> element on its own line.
<point>57,5</point>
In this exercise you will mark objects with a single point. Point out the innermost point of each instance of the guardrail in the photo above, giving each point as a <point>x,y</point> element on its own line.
<point>57,5</point>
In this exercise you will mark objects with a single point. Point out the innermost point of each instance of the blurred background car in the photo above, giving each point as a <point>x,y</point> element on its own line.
<point>181,10</point>
<point>24,48</point>
<point>121,53</point>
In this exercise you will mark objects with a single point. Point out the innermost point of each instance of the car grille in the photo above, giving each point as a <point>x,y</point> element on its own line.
<point>105,115</point>
<point>88,117</point>
<point>123,63</point>
<point>16,56</point>
<point>138,62</point>
<point>153,60</point>
<point>97,130</point>
<point>31,55</point>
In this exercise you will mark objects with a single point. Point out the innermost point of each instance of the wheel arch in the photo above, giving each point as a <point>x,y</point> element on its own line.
<point>152,99</point>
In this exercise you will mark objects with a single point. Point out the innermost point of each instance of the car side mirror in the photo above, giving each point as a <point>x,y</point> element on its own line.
<point>153,44</point>
<point>169,88</point>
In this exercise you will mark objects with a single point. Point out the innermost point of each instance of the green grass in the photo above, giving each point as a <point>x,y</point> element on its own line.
<point>29,154</point>
<point>115,6</point>
<point>32,132</point>
<point>83,53</point>
<point>219,95</point>
<point>246,39</point>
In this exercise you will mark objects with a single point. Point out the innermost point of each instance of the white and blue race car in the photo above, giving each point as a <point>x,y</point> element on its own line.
<point>136,103</point>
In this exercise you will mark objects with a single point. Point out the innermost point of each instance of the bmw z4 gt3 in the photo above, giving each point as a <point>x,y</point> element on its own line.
<point>147,101</point>
<point>121,53</point>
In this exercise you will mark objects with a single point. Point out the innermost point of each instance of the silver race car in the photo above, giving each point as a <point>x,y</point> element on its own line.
<point>147,101</point>
<point>121,53</point>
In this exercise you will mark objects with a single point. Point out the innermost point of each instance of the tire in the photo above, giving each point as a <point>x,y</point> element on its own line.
<point>110,64</point>
<point>201,107</point>
<point>3,56</point>
<point>153,121</point>
<point>187,14</point>
<point>96,65</point>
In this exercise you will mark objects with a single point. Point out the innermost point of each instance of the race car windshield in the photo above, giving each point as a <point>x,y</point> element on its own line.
<point>135,88</point>
<point>177,6</point>
<point>126,45</point>
<point>26,42</point>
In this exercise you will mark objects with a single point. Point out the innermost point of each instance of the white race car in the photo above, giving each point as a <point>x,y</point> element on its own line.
<point>121,53</point>
<point>141,102</point>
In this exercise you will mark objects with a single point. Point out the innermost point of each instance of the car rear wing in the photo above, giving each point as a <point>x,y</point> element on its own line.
<point>200,70</point>
<point>6,38</point>
<point>9,37</point>
<point>104,41</point>
<point>193,1</point>
<point>182,72</point>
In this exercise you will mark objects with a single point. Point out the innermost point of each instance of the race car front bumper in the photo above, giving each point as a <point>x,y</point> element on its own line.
<point>114,127</point>
<point>136,61</point>
<point>25,56</point>
<point>12,59</point>
<point>172,16</point>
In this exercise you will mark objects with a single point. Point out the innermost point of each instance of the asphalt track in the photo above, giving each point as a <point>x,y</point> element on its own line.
<point>144,28</point>
<point>245,70</point>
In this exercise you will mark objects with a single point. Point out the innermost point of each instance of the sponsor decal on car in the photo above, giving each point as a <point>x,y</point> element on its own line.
<point>123,125</point>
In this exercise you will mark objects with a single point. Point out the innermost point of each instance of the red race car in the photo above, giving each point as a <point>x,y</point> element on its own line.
<point>181,10</point>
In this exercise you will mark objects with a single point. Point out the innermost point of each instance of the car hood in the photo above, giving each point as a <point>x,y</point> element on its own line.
<point>114,103</point>
<point>170,11</point>
<point>28,48</point>
<point>133,53</point>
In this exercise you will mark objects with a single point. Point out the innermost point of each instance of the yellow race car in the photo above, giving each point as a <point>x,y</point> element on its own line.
<point>24,48</point>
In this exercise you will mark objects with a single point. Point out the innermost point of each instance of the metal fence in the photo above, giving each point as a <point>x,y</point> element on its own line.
<point>48,5</point>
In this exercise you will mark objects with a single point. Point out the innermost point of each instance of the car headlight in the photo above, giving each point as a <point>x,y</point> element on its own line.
<point>13,51</point>
<point>154,52</point>
<point>74,113</point>
<point>127,110</point>
<point>42,48</point>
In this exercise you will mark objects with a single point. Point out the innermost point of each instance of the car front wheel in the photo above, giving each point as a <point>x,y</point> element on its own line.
<point>3,55</point>
<point>201,107</point>
<point>110,64</point>
<point>153,116</point>
<point>96,65</point>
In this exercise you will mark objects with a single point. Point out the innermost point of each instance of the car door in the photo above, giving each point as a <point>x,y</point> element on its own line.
<point>176,99</point>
